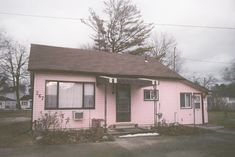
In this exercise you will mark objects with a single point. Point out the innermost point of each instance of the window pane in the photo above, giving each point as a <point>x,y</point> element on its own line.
<point>51,94</point>
<point>182,100</point>
<point>154,94</point>
<point>70,95</point>
<point>197,101</point>
<point>146,94</point>
<point>89,96</point>
<point>187,100</point>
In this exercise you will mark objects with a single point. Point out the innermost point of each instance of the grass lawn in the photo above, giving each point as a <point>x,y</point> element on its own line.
<point>19,134</point>
<point>15,113</point>
<point>219,118</point>
<point>15,134</point>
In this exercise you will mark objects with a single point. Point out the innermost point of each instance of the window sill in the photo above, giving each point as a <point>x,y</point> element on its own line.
<point>93,108</point>
<point>185,108</point>
<point>150,100</point>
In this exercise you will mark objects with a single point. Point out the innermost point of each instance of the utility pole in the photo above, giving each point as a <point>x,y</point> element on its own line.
<point>174,58</point>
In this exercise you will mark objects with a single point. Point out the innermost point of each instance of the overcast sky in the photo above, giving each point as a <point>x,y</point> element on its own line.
<point>213,45</point>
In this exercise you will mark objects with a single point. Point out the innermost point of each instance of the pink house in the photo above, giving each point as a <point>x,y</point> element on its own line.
<point>120,89</point>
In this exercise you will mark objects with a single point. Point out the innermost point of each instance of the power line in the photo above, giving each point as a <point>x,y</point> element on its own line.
<point>82,19</point>
<point>195,26</point>
<point>206,61</point>
<point>43,16</point>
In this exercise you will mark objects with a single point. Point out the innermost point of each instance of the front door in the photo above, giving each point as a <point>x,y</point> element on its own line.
<point>123,103</point>
<point>198,114</point>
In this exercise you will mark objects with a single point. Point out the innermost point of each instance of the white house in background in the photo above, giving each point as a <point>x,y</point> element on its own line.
<point>26,102</point>
<point>7,103</point>
<point>9,94</point>
<point>230,102</point>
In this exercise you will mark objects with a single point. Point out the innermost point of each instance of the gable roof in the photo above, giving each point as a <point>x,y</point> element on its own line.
<point>50,58</point>
<point>3,98</point>
<point>26,97</point>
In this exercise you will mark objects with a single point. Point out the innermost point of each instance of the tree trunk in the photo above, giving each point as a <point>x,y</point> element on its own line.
<point>17,87</point>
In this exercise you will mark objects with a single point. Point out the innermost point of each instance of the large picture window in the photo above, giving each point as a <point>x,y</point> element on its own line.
<point>69,95</point>
<point>185,100</point>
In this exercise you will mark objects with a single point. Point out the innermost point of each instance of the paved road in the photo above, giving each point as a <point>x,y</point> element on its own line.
<point>209,145</point>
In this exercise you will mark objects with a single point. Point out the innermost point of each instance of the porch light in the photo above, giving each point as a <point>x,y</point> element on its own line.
<point>145,59</point>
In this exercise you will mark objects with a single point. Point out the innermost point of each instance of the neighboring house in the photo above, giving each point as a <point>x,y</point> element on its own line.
<point>230,103</point>
<point>9,92</point>
<point>222,99</point>
<point>7,103</point>
<point>221,103</point>
<point>118,88</point>
<point>26,102</point>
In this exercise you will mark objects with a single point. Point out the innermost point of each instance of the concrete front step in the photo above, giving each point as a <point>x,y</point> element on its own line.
<point>125,125</point>
<point>124,131</point>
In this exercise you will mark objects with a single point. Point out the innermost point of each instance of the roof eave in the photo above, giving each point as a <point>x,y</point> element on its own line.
<point>107,74</point>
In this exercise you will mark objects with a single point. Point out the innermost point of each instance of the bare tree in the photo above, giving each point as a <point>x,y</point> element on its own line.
<point>123,32</point>
<point>229,73</point>
<point>207,81</point>
<point>164,50</point>
<point>3,82</point>
<point>13,60</point>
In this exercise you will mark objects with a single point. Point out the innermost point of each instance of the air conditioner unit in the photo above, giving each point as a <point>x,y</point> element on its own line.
<point>77,115</point>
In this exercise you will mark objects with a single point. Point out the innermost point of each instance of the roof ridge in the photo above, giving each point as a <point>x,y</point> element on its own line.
<point>93,50</point>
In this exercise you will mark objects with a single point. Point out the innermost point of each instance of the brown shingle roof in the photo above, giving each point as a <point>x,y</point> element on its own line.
<point>51,58</point>
<point>26,97</point>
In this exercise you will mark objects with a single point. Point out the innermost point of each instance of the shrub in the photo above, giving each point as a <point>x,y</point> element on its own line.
<point>180,130</point>
<point>50,128</point>
<point>75,136</point>
<point>50,121</point>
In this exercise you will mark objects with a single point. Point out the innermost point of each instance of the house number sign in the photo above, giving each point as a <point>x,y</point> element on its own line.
<point>40,96</point>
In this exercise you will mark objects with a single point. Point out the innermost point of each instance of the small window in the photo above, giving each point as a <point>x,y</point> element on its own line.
<point>24,103</point>
<point>185,100</point>
<point>150,95</point>
<point>197,101</point>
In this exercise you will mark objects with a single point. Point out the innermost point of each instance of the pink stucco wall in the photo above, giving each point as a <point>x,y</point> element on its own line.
<point>169,104</point>
<point>142,112</point>
<point>38,103</point>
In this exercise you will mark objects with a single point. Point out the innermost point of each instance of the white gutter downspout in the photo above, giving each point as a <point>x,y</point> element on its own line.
<point>154,83</point>
<point>111,80</point>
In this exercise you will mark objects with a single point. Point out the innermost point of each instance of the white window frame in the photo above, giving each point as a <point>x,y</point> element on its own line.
<point>57,107</point>
<point>185,99</point>
<point>151,95</point>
